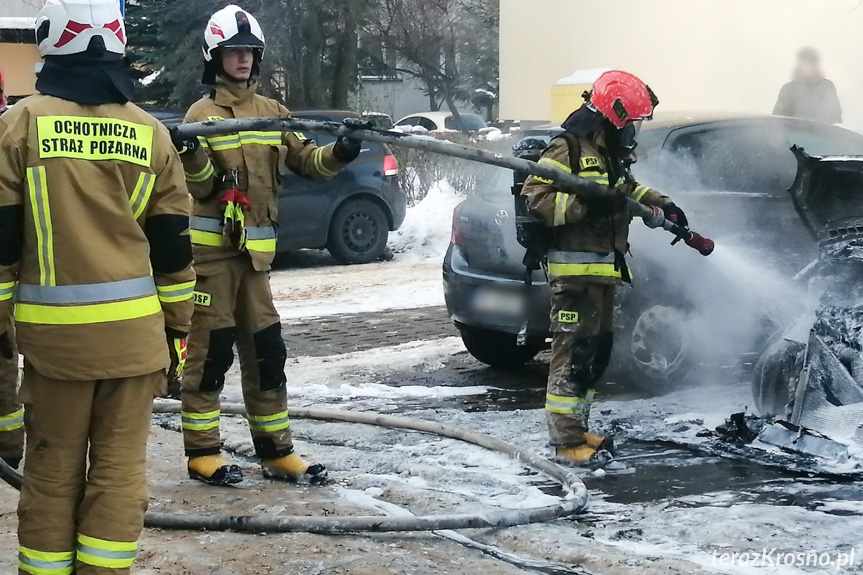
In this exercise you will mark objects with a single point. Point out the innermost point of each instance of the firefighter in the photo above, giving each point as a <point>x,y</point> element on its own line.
<point>94,216</point>
<point>11,411</point>
<point>234,180</point>
<point>586,260</point>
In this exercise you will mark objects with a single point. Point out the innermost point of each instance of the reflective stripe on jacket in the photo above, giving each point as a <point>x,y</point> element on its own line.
<point>103,266</point>
<point>258,157</point>
<point>577,230</point>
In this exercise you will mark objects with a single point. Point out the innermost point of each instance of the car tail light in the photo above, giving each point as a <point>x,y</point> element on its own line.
<point>391,166</point>
<point>456,238</point>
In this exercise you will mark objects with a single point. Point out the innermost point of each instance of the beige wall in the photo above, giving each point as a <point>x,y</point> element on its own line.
<point>728,55</point>
<point>18,61</point>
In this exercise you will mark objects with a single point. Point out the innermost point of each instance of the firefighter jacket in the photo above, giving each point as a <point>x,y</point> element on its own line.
<point>586,246</point>
<point>94,246</point>
<point>251,161</point>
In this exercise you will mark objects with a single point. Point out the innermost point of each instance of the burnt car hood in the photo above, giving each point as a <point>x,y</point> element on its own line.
<point>828,195</point>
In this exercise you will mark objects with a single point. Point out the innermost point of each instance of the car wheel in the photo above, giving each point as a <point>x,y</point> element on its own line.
<point>659,344</point>
<point>358,232</point>
<point>497,349</point>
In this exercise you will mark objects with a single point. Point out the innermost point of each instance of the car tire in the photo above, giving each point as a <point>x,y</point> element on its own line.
<point>358,232</point>
<point>497,349</point>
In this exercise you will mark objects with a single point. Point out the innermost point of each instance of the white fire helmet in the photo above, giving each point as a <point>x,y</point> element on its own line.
<point>233,27</point>
<point>66,27</point>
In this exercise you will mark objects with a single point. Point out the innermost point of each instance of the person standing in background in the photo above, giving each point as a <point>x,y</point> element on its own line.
<point>809,96</point>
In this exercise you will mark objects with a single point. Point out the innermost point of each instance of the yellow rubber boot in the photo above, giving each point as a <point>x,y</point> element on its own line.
<point>599,442</point>
<point>581,455</point>
<point>294,468</point>
<point>214,470</point>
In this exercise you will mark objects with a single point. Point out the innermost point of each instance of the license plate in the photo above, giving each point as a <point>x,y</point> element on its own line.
<point>501,302</point>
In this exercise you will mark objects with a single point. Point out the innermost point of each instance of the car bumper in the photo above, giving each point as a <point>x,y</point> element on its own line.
<point>397,201</point>
<point>462,286</point>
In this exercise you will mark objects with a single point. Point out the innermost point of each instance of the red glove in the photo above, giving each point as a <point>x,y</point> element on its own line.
<point>235,204</point>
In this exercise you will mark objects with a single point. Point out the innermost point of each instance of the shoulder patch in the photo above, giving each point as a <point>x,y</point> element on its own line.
<point>589,162</point>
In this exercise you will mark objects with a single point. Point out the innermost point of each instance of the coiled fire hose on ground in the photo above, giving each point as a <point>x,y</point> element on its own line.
<point>575,501</point>
<point>355,128</point>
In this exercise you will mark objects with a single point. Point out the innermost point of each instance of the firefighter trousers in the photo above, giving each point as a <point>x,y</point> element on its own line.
<point>234,305</point>
<point>581,323</point>
<point>11,412</point>
<point>73,518</point>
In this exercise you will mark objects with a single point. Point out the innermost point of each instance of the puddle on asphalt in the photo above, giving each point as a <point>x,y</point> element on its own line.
<point>662,473</point>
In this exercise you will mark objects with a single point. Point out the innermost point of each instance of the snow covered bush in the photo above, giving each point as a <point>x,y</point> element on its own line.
<point>421,170</point>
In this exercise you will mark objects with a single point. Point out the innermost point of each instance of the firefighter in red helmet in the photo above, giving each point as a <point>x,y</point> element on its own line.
<point>586,260</point>
<point>2,93</point>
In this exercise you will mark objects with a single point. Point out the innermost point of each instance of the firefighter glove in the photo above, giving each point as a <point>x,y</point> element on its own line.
<point>675,215</point>
<point>177,350</point>
<point>347,149</point>
<point>6,346</point>
<point>235,204</point>
<point>656,218</point>
<point>183,145</point>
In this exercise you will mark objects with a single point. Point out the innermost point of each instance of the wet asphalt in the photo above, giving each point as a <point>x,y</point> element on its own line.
<point>656,471</point>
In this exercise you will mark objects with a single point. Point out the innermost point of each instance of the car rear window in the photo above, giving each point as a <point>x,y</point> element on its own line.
<point>464,122</point>
<point>498,183</point>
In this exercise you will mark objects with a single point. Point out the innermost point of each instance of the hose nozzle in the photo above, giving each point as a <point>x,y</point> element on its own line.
<point>704,246</point>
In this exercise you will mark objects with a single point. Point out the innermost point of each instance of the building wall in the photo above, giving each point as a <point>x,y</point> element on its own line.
<point>398,98</point>
<point>18,61</point>
<point>727,55</point>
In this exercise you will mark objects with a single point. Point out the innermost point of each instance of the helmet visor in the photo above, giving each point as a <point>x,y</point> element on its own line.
<point>627,135</point>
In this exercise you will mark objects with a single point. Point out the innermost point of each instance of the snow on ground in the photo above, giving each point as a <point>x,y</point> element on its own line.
<point>425,233</point>
<point>412,280</point>
<point>304,293</point>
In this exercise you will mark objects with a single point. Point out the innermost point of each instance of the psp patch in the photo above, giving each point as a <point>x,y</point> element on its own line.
<point>202,299</point>
<point>567,317</point>
<point>589,162</point>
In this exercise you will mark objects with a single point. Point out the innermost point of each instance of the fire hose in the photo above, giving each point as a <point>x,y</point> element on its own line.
<point>357,129</point>
<point>575,501</point>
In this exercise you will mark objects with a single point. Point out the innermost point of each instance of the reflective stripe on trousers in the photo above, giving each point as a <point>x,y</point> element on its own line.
<point>12,421</point>
<point>200,421</point>
<point>269,423</point>
<point>107,554</point>
<point>87,303</point>
<point>580,264</point>
<point>563,405</point>
<point>45,562</point>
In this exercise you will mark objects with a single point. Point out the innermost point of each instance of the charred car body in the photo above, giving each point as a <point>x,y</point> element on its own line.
<point>811,377</point>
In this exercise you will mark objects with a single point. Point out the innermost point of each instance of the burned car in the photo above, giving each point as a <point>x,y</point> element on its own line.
<point>810,378</point>
<point>730,174</point>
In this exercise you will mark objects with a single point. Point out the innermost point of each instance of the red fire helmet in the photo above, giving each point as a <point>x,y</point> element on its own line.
<point>2,92</point>
<point>622,98</point>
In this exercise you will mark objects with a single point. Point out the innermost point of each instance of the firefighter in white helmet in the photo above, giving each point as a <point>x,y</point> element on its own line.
<point>234,180</point>
<point>94,217</point>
